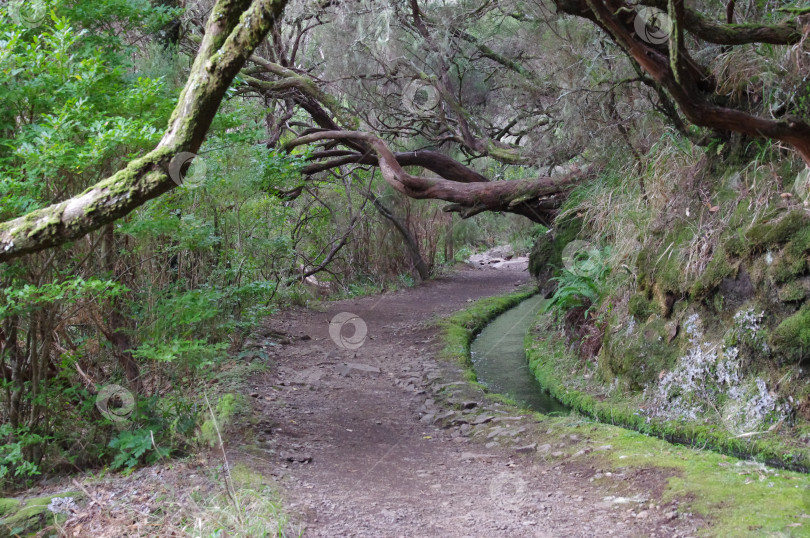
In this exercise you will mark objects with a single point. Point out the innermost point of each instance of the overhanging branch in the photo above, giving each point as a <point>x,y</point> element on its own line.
<point>537,199</point>
<point>234,29</point>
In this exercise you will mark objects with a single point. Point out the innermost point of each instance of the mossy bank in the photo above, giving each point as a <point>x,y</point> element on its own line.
<point>698,325</point>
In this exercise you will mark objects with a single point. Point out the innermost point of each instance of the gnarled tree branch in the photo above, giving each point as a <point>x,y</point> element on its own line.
<point>688,87</point>
<point>536,199</point>
<point>234,29</point>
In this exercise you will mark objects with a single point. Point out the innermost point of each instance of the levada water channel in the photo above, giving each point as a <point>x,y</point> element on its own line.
<point>499,359</point>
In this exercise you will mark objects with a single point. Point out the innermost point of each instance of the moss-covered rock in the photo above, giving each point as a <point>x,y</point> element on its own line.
<point>546,255</point>
<point>28,517</point>
<point>640,307</point>
<point>791,338</point>
<point>719,268</point>
<point>660,271</point>
<point>792,292</point>
<point>777,227</point>
<point>638,353</point>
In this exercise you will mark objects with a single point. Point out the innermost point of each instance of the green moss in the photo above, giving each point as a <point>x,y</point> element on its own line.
<point>28,517</point>
<point>734,498</point>
<point>661,269</point>
<point>800,242</point>
<point>640,306</point>
<point>546,255</point>
<point>791,338</point>
<point>787,266</point>
<point>719,268</point>
<point>792,292</point>
<point>8,505</point>
<point>638,357</point>
<point>735,245</point>
<point>772,229</point>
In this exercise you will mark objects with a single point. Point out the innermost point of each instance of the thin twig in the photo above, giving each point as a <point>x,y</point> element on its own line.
<point>228,480</point>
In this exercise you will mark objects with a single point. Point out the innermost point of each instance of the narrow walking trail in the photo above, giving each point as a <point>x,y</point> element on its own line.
<point>387,439</point>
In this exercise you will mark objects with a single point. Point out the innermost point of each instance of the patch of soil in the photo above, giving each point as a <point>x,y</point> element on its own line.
<point>383,439</point>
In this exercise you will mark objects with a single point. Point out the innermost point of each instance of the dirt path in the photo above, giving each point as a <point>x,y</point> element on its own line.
<point>385,440</point>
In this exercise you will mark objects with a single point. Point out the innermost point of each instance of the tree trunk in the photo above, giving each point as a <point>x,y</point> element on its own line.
<point>116,329</point>
<point>410,241</point>
<point>449,243</point>
<point>233,30</point>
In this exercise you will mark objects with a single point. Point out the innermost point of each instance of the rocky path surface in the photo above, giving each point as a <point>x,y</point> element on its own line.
<point>387,440</point>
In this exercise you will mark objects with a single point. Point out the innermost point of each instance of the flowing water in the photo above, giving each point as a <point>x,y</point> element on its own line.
<point>500,361</point>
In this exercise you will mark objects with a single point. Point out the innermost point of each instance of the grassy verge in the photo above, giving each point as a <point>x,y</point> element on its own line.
<point>733,497</point>
<point>252,508</point>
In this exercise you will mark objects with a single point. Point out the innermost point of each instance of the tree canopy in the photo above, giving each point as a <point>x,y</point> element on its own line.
<point>449,84</point>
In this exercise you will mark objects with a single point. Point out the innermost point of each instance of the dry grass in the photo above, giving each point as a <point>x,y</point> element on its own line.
<point>771,78</point>
<point>677,194</point>
<point>181,498</point>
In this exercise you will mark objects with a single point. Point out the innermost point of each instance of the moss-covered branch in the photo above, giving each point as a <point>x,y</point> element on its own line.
<point>233,30</point>
<point>787,32</point>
